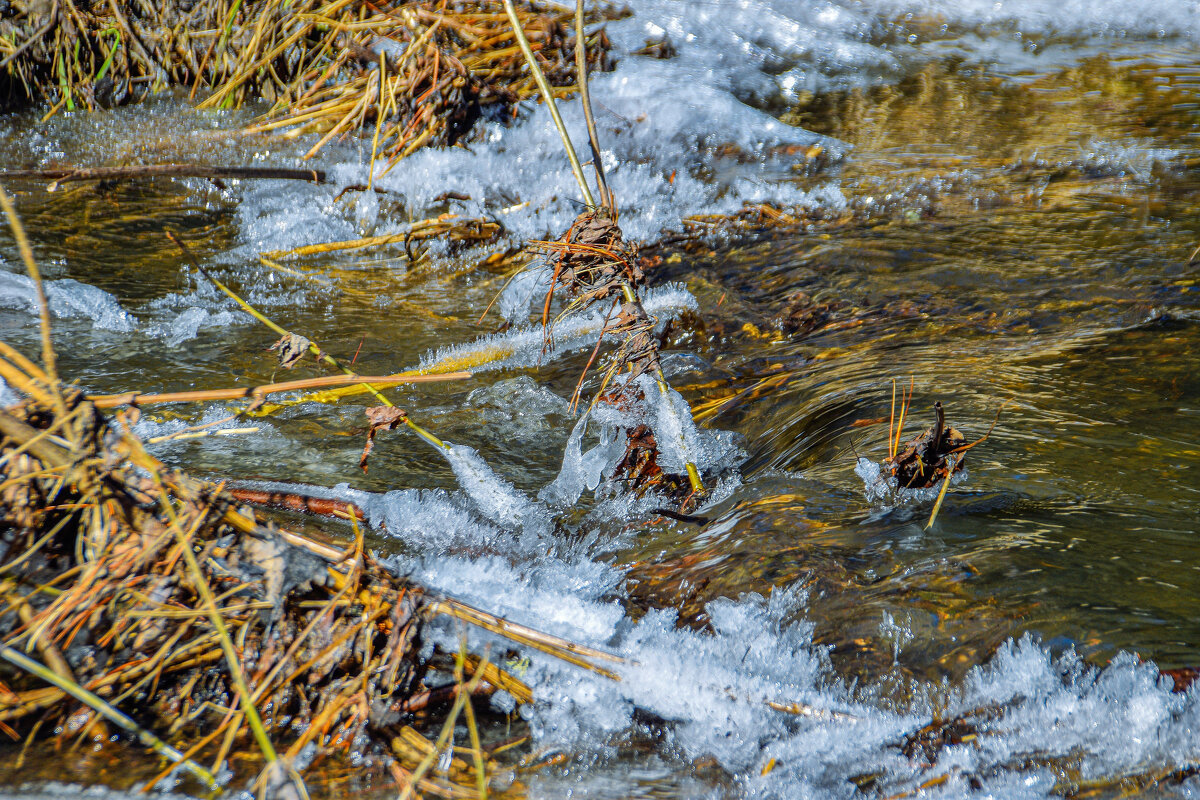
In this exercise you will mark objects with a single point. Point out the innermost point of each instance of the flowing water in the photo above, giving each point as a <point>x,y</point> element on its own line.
<point>1003,216</point>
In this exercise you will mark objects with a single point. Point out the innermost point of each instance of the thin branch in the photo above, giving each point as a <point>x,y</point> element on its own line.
<point>48,359</point>
<point>165,171</point>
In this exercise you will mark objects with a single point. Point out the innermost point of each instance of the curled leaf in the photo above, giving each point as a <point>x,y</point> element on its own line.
<point>292,348</point>
<point>383,418</point>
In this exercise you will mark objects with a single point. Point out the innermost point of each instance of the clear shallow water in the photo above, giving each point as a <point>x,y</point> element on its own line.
<point>1018,224</point>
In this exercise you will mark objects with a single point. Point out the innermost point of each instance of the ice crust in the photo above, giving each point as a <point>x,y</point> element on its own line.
<point>65,791</point>
<point>884,490</point>
<point>67,298</point>
<point>712,689</point>
<point>765,50</point>
<point>489,545</point>
<point>664,124</point>
<point>529,346</point>
<point>681,136</point>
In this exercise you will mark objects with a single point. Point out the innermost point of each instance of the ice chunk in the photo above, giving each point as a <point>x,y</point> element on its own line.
<point>531,346</point>
<point>188,323</point>
<point>530,283</point>
<point>883,489</point>
<point>583,471</point>
<point>427,520</point>
<point>67,298</point>
<point>679,441</point>
<point>495,498</point>
<point>675,432</point>
<point>520,395</point>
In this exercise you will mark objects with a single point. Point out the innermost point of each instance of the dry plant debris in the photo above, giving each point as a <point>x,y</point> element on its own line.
<point>124,577</point>
<point>147,599</point>
<point>930,457</point>
<point>593,262</point>
<point>408,73</point>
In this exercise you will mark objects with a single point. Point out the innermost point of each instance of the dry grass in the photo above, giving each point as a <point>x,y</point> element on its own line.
<point>135,595</point>
<point>408,74</point>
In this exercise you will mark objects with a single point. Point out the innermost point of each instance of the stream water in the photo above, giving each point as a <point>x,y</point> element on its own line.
<point>1011,195</point>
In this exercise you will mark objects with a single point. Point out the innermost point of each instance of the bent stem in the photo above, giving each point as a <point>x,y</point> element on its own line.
<point>258,392</point>
<point>48,358</point>
<point>937,506</point>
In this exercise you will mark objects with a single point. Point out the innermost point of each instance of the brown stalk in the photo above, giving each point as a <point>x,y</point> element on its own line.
<point>206,395</point>
<point>48,357</point>
<point>73,175</point>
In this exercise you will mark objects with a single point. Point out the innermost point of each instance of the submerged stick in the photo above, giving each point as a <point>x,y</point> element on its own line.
<point>110,713</point>
<point>293,501</point>
<point>165,171</point>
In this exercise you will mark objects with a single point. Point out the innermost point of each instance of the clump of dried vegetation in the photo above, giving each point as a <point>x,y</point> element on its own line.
<point>138,598</point>
<point>407,73</point>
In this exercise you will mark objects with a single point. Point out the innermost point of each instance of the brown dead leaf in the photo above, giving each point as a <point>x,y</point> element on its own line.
<point>292,348</point>
<point>383,418</point>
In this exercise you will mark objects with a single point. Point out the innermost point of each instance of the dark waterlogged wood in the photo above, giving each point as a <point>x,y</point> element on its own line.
<point>291,501</point>
<point>165,171</point>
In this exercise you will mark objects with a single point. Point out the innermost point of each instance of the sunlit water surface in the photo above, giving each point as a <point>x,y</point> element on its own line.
<point>1010,234</point>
